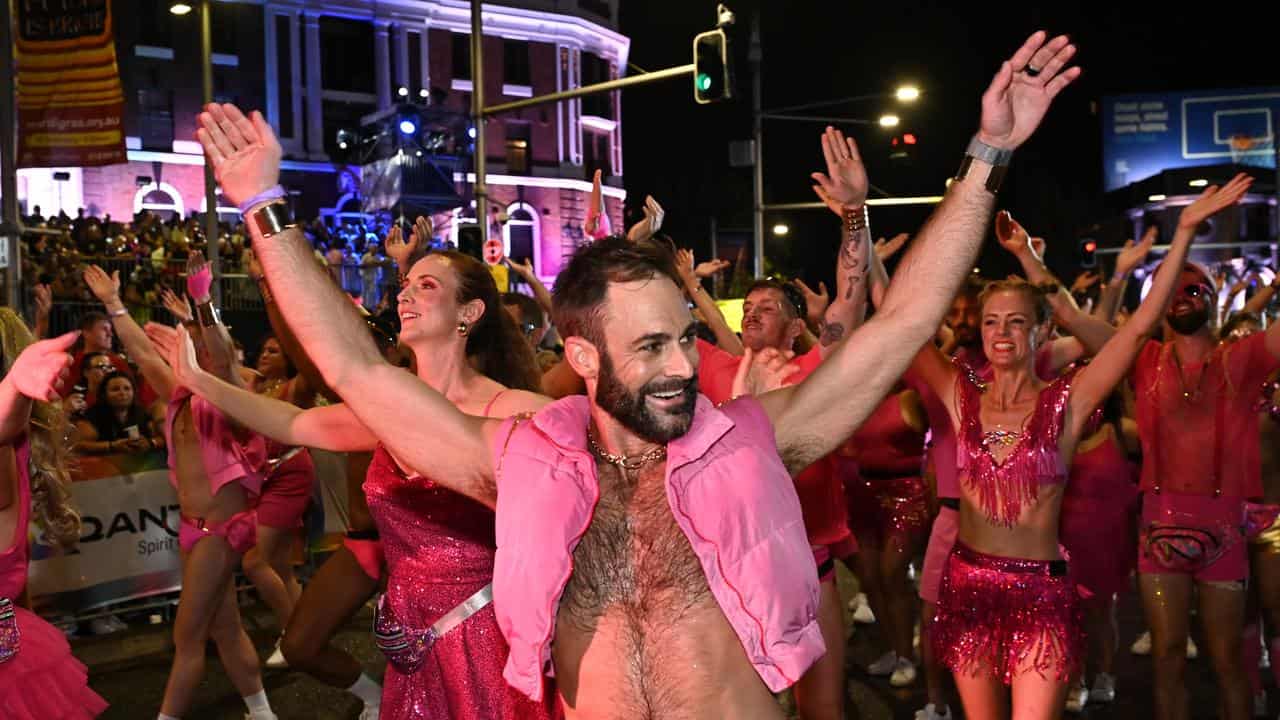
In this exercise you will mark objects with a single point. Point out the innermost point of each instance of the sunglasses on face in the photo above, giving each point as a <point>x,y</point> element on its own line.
<point>1197,290</point>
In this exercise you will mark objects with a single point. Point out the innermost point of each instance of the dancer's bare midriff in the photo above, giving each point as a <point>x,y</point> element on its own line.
<point>638,633</point>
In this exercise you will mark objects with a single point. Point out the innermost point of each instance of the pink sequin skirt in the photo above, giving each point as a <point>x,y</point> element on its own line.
<point>1007,615</point>
<point>888,509</point>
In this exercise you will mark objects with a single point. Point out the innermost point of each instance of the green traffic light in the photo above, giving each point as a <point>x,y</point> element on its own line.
<point>704,82</point>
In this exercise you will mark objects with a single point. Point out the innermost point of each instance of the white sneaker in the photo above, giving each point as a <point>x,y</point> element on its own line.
<point>930,712</point>
<point>884,666</point>
<point>1077,698</point>
<point>862,610</point>
<point>904,674</point>
<point>277,661</point>
<point>1192,651</point>
<point>1142,646</point>
<point>1104,688</point>
<point>1260,704</point>
<point>370,712</point>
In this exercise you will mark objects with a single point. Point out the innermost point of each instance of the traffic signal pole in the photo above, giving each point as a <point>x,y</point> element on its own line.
<point>607,86</point>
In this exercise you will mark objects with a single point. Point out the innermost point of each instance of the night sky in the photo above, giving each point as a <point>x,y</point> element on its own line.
<point>678,150</point>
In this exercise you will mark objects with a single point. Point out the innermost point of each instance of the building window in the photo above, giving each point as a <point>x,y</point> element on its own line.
<point>595,153</point>
<point>595,70</point>
<point>515,63</point>
<point>155,23</point>
<point>284,71</point>
<point>416,82</point>
<point>521,233</point>
<point>461,56</point>
<point>155,119</point>
<point>161,199</point>
<point>519,150</point>
<point>346,54</point>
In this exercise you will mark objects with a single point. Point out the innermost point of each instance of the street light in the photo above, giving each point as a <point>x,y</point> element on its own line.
<point>888,121</point>
<point>781,230</point>
<point>179,8</point>
<point>907,93</point>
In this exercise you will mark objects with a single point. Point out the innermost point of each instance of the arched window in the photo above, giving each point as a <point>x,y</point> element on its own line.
<point>159,198</point>
<point>226,211</point>
<point>522,234</point>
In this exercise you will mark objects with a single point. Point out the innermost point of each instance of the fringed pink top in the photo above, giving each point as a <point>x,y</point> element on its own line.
<point>1004,489</point>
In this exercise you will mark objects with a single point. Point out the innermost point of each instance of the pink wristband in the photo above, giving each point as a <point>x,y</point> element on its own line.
<point>198,283</point>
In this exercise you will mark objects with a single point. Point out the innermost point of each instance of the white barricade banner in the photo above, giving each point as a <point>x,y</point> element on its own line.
<point>128,545</point>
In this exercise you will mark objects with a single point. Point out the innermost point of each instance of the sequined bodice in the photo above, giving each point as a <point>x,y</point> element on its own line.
<point>439,545</point>
<point>1003,489</point>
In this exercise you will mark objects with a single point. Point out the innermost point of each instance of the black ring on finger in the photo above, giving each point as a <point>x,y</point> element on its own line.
<point>1030,71</point>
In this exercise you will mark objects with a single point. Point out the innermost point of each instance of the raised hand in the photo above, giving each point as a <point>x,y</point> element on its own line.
<point>399,248</point>
<point>761,372</point>
<point>1012,236</point>
<point>815,302</point>
<point>596,225</point>
<point>1132,254</point>
<point>652,222</point>
<point>199,277</point>
<point>182,358</point>
<point>524,269</point>
<point>886,249</point>
<point>42,368</point>
<point>423,232</point>
<point>1214,199</point>
<point>711,267</point>
<point>180,308</point>
<point>845,182</point>
<point>1023,88</point>
<point>1084,281</point>
<point>104,287</point>
<point>163,338</point>
<point>244,152</point>
<point>43,299</point>
<point>685,266</point>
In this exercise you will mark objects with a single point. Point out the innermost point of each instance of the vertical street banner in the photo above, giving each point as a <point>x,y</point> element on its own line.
<point>70,101</point>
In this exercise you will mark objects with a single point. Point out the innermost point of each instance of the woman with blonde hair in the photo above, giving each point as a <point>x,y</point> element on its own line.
<point>39,678</point>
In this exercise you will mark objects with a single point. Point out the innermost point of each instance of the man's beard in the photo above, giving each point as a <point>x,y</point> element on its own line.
<point>634,413</point>
<point>1189,323</point>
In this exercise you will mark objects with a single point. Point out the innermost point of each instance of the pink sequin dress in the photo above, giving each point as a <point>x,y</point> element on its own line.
<point>439,549</point>
<point>43,680</point>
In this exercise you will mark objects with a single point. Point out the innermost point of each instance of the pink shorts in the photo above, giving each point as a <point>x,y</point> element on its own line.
<point>240,531</point>
<point>1197,535</point>
<point>286,493</point>
<point>826,564</point>
<point>368,552</point>
<point>941,539</point>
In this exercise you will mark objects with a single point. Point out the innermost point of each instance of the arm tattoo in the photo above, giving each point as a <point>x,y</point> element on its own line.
<point>831,334</point>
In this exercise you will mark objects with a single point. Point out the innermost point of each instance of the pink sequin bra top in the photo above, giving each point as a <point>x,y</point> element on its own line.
<point>1003,489</point>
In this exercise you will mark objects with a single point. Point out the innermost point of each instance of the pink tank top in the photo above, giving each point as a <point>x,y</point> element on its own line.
<point>1102,473</point>
<point>1004,489</point>
<point>886,446</point>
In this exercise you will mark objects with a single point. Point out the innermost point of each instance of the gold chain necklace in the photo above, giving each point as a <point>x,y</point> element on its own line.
<point>1189,395</point>
<point>627,462</point>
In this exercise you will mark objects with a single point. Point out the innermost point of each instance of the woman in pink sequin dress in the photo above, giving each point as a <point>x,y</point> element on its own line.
<point>1008,611</point>
<point>39,677</point>
<point>439,545</point>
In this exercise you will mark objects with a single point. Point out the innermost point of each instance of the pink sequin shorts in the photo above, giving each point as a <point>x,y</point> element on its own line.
<point>1007,616</point>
